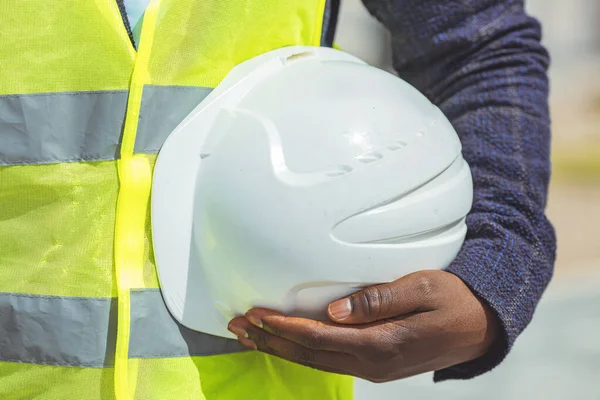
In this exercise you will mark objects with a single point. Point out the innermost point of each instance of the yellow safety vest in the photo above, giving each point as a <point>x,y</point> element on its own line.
<point>82,116</point>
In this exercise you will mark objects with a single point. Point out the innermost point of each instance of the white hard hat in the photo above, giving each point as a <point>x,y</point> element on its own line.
<point>303,177</point>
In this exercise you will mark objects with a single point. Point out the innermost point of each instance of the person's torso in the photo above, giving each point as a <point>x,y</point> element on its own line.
<point>82,116</point>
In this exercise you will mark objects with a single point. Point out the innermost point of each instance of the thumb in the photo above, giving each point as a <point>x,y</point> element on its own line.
<point>412,293</point>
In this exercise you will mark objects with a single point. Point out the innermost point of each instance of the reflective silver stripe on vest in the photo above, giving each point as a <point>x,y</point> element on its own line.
<point>155,333</point>
<point>87,126</point>
<point>162,109</point>
<point>80,331</point>
<point>61,127</point>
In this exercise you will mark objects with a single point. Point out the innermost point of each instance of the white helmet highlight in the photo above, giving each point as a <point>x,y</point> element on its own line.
<point>303,177</point>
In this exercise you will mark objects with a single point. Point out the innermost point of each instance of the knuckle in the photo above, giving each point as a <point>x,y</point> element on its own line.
<point>397,334</point>
<point>371,301</point>
<point>425,286</point>
<point>303,355</point>
<point>375,301</point>
<point>260,340</point>
<point>275,330</point>
<point>259,337</point>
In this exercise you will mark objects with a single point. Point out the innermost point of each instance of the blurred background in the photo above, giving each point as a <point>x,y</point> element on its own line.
<point>558,356</point>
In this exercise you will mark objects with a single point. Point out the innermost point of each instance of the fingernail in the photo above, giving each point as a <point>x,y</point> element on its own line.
<point>238,331</point>
<point>254,320</point>
<point>247,343</point>
<point>340,309</point>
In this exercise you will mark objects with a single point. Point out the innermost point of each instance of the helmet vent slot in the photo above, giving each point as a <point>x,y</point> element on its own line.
<point>341,170</point>
<point>369,157</point>
<point>399,144</point>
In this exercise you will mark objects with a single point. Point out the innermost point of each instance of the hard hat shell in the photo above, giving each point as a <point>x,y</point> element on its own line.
<point>303,177</point>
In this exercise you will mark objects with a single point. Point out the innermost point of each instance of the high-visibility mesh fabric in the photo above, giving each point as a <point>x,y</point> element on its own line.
<point>20,381</point>
<point>248,376</point>
<point>198,42</point>
<point>57,228</point>
<point>65,45</point>
<point>57,222</point>
<point>176,378</point>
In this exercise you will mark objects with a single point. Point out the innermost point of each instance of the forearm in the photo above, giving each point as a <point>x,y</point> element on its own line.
<point>482,63</point>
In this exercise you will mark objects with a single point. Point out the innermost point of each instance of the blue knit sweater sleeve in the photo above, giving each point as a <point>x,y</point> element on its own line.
<point>482,63</point>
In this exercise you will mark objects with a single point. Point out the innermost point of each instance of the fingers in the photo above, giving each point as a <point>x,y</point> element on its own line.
<point>255,338</point>
<point>422,322</point>
<point>308,333</point>
<point>417,292</point>
<point>378,352</point>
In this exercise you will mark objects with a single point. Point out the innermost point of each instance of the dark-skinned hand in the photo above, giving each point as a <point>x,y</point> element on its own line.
<point>425,321</point>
